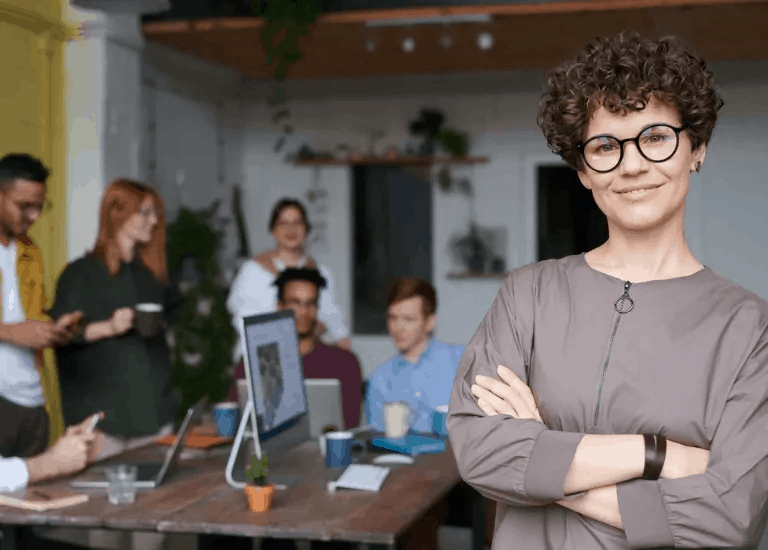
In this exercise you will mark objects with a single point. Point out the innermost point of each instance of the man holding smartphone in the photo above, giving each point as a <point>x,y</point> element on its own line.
<point>26,383</point>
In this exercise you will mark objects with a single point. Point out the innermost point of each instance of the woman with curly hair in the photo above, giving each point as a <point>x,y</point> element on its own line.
<point>619,398</point>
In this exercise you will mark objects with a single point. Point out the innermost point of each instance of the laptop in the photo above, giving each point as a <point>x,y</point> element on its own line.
<point>325,405</point>
<point>149,475</point>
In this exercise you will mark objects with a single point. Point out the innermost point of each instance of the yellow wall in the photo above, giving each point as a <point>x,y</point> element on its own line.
<point>32,111</point>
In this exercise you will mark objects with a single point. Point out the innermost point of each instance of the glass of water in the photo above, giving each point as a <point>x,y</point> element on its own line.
<point>122,483</point>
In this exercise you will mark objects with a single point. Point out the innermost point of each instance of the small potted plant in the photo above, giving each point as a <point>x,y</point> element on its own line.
<point>259,494</point>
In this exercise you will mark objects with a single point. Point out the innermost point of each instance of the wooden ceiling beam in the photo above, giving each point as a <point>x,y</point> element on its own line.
<point>522,42</point>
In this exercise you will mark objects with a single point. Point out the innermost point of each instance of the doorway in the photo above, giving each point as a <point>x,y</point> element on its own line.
<point>569,221</point>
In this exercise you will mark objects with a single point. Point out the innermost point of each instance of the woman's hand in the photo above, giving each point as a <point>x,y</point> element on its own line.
<point>508,396</point>
<point>121,321</point>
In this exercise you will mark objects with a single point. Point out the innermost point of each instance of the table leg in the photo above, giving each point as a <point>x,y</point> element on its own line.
<point>478,522</point>
<point>13,537</point>
<point>223,542</point>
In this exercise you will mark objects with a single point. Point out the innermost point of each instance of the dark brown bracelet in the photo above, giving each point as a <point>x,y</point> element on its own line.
<point>655,453</point>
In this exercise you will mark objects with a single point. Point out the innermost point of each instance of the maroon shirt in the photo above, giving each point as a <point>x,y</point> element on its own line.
<point>329,362</point>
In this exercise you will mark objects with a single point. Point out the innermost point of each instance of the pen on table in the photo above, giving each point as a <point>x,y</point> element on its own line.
<point>41,494</point>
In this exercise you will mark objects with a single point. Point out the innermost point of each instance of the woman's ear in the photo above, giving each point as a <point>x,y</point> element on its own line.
<point>697,158</point>
<point>584,180</point>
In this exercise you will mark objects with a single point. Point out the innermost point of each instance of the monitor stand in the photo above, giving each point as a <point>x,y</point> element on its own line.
<point>275,447</point>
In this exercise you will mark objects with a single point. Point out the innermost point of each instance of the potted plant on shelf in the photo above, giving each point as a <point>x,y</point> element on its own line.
<point>259,494</point>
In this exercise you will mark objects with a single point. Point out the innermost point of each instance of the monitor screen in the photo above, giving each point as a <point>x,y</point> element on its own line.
<point>274,370</point>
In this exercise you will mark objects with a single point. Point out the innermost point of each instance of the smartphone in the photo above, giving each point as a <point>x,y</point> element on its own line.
<point>94,420</point>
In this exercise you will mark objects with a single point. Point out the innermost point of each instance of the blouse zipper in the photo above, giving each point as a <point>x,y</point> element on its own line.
<point>619,305</point>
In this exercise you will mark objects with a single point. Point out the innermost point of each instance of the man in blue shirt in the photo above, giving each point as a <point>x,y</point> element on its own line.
<point>422,372</point>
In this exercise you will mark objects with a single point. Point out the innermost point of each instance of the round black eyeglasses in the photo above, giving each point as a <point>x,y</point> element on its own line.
<point>656,143</point>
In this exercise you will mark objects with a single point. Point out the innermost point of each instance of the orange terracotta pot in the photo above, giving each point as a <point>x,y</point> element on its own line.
<point>259,498</point>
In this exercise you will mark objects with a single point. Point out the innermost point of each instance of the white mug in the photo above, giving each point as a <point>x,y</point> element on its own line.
<point>398,419</point>
<point>242,393</point>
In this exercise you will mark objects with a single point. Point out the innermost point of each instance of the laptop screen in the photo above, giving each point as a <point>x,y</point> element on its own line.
<point>274,370</point>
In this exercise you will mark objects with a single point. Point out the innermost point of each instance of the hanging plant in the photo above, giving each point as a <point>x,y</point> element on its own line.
<point>284,22</point>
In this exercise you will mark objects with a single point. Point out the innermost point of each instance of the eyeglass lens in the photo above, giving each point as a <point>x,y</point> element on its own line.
<point>657,144</point>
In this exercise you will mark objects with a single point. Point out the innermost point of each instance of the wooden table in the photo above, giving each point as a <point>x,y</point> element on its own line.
<point>197,500</point>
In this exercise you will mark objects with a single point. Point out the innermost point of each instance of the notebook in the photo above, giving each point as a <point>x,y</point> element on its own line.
<point>41,500</point>
<point>362,477</point>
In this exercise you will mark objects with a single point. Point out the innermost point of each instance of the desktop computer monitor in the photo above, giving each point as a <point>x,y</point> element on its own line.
<point>275,376</point>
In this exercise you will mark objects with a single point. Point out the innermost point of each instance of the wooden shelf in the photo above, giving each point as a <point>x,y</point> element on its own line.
<point>400,161</point>
<point>475,275</point>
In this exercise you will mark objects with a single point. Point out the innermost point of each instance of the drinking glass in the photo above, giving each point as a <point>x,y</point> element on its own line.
<point>122,484</point>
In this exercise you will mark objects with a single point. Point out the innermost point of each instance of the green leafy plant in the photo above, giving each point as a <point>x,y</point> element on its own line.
<point>259,470</point>
<point>203,336</point>
<point>284,22</point>
<point>456,143</point>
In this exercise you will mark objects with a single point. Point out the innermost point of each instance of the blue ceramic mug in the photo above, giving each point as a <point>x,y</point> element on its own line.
<point>338,449</point>
<point>439,419</point>
<point>227,416</point>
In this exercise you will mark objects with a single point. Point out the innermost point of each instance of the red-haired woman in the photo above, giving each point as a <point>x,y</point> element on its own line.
<point>111,367</point>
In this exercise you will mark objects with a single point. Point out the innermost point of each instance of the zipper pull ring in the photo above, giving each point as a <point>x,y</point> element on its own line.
<point>627,304</point>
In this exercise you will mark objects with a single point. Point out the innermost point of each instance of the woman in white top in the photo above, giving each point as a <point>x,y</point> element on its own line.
<point>252,291</point>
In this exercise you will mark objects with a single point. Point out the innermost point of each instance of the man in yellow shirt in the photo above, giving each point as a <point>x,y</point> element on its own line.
<point>25,331</point>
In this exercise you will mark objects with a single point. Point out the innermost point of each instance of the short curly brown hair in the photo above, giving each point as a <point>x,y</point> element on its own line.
<point>622,74</point>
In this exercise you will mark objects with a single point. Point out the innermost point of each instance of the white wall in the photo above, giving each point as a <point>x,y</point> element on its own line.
<point>192,146</point>
<point>85,79</point>
<point>103,97</point>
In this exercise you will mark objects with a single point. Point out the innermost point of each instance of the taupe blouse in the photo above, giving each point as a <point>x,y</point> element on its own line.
<point>688,361</point>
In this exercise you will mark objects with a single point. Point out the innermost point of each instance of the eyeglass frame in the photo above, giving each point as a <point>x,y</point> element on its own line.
<point>636,140</point>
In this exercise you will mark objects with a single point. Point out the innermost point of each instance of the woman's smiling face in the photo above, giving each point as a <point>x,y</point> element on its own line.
<point>663,185</point>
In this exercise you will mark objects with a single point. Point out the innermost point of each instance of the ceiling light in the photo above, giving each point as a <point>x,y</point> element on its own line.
<point>408,44</point>
<point>485,41</point>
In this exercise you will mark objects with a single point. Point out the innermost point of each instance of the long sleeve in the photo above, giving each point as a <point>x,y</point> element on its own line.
<point>518,462</point>
<point>725,507</point>
<point>374,403</point>
<point>72,295</point>
<point>329,312</point>
<point>13,474</point>
<point>250,294</point>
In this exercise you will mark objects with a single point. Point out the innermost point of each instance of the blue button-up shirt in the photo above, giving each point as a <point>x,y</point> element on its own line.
<point>424,386</point>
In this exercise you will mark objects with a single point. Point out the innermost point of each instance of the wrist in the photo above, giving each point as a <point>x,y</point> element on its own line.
<point>111,328</point>
<point>41,467</point>
<point>655,456</point>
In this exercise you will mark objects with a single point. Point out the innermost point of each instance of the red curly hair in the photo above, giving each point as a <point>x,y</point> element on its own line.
<point>122,199</point>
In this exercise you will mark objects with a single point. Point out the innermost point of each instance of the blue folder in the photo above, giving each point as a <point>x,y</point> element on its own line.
<point>411,444</point>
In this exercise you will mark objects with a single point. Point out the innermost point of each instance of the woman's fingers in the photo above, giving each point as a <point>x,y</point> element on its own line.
<point>508,376</point>
<point>486,408</point>
<point>499,404</point>
<point>512,397</point>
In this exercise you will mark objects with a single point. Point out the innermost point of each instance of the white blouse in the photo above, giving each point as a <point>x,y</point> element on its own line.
<point>253,293</point>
